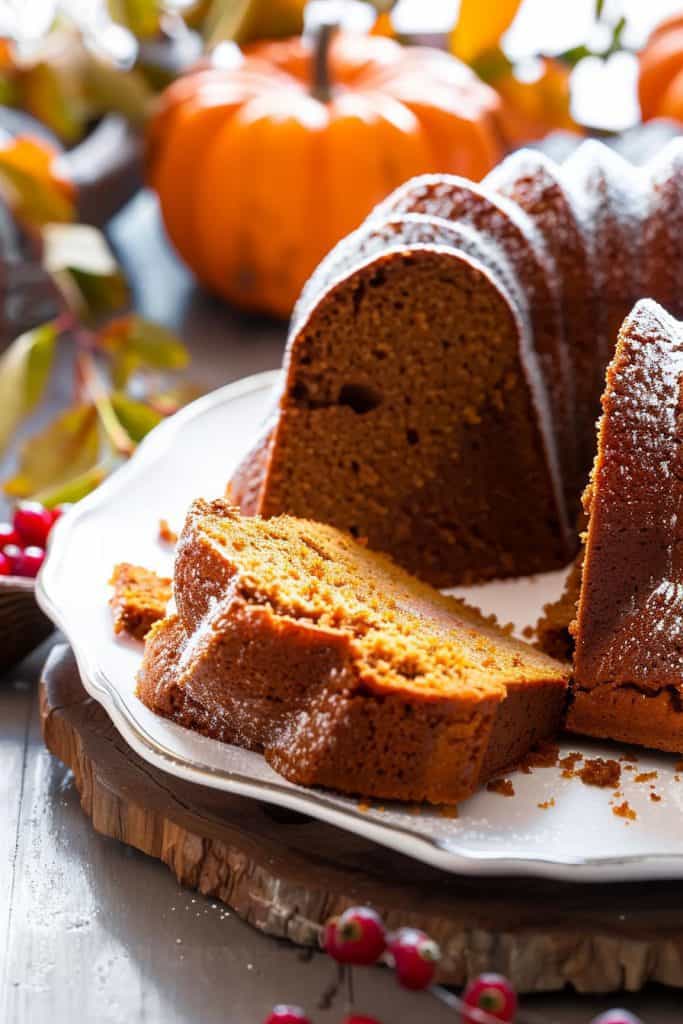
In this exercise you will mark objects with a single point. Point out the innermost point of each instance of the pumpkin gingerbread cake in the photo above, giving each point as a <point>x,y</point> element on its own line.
<point>445,361</point>
<point>628,662</point>
<point>293,639</point>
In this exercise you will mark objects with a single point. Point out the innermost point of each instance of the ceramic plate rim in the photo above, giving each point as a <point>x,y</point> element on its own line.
<point>311,802</point>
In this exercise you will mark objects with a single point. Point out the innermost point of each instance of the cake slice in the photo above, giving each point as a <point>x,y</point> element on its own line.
<point>629,629</point>
<point>293,639</point>
<point>413,412</point>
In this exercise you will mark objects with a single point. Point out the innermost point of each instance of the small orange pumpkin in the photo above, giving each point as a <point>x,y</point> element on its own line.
<point>660,80</point>
<point>260,168</point>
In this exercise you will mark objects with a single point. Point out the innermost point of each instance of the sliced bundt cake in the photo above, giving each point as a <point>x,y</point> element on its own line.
<point>628,662</point>
<point>444,365</point>
<point>293,639</point>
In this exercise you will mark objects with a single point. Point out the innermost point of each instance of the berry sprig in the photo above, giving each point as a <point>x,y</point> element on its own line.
<point>358,938</point>
<point>23,541</point>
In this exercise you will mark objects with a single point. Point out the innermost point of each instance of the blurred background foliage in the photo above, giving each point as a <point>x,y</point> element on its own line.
<point>68,61</point>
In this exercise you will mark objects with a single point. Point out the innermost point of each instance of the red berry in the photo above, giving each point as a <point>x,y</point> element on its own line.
<point>360,1019</point>
<point>492,994</point>
<point>616,1017</point>
<point>8,535</point>
<point>287,1015</point>
<point>30,561</point>
<point>415,957</point>
<point>14,554</point>
<point>5,567</point>
<point>32,521</point>
<point>357,937</point>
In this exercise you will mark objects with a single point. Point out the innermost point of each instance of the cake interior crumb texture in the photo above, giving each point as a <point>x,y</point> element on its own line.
<point>292,638</point>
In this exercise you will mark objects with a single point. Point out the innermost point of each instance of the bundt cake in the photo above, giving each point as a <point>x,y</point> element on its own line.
<point>628,659</point>
<point>445,361</point>
<point>293,639</point>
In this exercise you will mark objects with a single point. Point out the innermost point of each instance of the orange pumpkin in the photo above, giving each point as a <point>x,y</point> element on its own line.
<point>260,168</point>
<point>660,80</point>
<point>533,109</point>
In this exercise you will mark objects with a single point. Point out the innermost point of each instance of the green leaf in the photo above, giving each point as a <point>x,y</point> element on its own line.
<point>136,418</point>
<point>84,267</point>
<point>66,448</point>
<point>142,17</point>
<point>109,89</point>
<point>134,343</point>
<point>24,372</point>
<point>78,487</point>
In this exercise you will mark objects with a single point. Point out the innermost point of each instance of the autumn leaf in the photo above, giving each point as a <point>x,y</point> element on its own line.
<point>170,400</point>
<point>24,372</point>
<point>66,448</point>
<point>108,88</point>
<point>85,269</point>
<point>244,21</point>
<point>50,88</point>
<point>134,343</point>
<point>142,17</point>
<point>480,26</point>
<point>78,487</point>
<point>34,190</point>
<point>136,418</point>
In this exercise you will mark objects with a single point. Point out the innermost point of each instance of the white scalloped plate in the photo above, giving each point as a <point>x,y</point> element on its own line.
<point>191,455</point>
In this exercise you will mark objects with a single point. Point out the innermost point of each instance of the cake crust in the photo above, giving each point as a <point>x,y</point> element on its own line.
<point>628,665</point>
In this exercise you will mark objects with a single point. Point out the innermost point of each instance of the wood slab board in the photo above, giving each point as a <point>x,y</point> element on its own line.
<point>286,874</point>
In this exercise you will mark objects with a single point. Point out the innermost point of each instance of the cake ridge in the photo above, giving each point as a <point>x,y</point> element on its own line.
<point>624,227</point>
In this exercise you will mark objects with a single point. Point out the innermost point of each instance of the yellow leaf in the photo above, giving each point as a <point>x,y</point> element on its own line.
<point>134,343</point>
<point>24,372</point>
<point>51,91</point>
<point>142,17</point>
<point>78,257</point>
<point>66,448</point>
<point>244,21</point>
<point>36,193</point>
<point>480,26</point>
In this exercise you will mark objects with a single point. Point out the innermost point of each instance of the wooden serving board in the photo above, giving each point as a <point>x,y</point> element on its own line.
<point>286,874</point>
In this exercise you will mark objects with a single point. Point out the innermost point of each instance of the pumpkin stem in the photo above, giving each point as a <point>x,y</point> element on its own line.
<point>321,86</point>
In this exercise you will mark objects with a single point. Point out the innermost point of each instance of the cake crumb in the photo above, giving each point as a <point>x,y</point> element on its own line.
<point>568,764</point>
<point>624,811</point>
<point>678,767</point>
<point>166,534</point>
<point>139,599</point>
<point>543,755</point>
<point>645,776</point>
<point>529,632</point>
<point>601,772</point>
<point>547,803</point>
<point>448,811</point>
<point>655,797</point>
<point>503,787</point>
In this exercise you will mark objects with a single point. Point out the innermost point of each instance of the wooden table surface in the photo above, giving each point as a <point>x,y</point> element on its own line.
<point>91,930</point>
